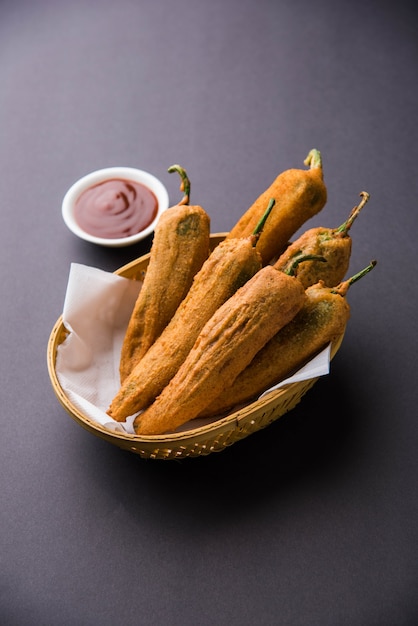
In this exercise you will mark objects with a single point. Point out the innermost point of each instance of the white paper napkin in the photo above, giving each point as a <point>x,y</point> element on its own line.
<point>96,313</point>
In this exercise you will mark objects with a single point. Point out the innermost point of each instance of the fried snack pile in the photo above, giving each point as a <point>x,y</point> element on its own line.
<point>211,331</point>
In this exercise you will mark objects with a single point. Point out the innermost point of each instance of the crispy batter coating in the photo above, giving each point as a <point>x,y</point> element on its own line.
<point>179,248</point>
<point>321,320</point>
<point>226,345</point>
<point>228,267</point>
<point>320,242</point>
<point>299,195</point>
<point>332,244</point>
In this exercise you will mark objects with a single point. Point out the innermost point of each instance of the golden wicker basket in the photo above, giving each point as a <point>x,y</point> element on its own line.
<point>193,442</point>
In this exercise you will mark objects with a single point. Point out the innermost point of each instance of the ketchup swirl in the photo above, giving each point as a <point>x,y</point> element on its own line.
<point>115,208</point>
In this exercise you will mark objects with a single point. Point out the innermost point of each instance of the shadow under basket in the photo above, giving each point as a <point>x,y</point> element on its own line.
<point>198,441</point>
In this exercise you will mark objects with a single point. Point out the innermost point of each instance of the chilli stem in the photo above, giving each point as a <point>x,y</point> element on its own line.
<point>185,182</point>
<point>292,267</point>
<point>314,159</point>
<point>345,227</point>
<point>343,287</point>
<point>260,225</point>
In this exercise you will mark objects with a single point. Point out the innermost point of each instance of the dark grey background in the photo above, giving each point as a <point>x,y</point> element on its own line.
<point>312,521</point>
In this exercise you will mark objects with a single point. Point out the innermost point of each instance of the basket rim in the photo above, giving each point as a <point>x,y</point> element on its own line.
<point>235,419</point>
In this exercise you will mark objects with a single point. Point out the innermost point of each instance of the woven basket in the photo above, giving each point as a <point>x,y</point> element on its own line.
<point>193,442</point>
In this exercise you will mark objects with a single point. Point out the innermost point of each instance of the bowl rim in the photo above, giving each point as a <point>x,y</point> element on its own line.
<point>101,175</point>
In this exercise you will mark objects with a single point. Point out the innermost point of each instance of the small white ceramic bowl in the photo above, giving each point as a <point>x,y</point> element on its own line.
<point>99,176</point>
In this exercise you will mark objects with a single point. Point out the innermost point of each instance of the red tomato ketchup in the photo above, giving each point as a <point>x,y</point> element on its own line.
<point>115,208</point>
